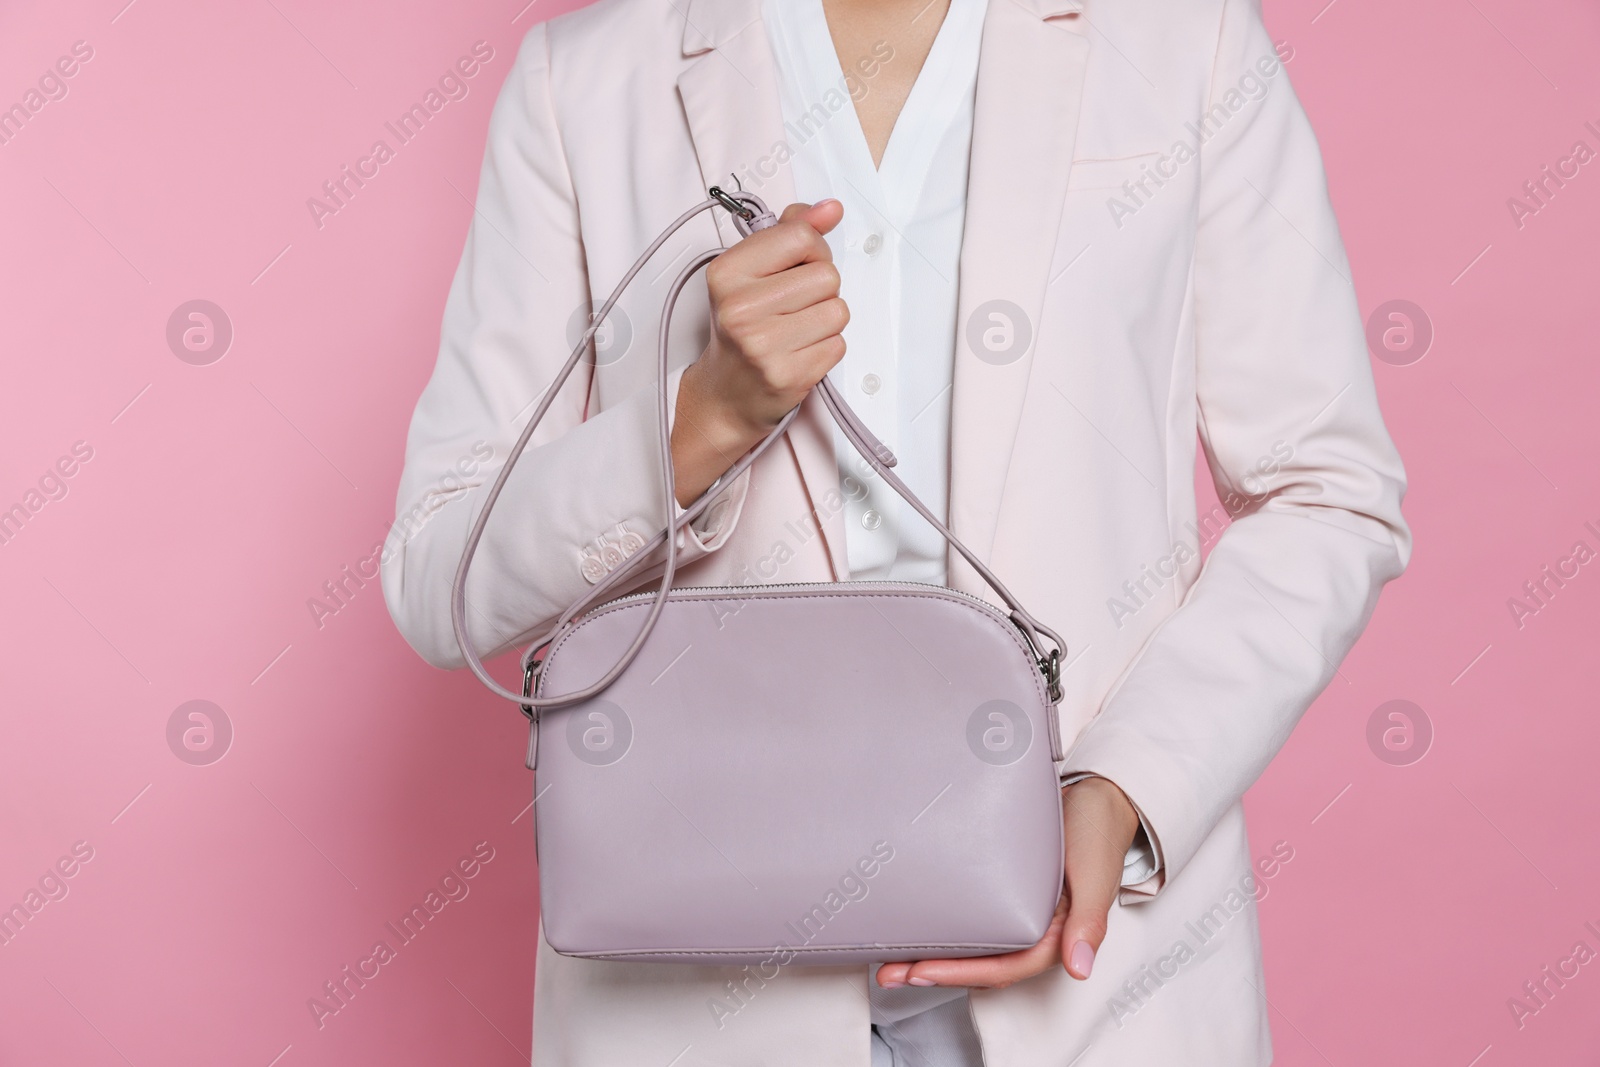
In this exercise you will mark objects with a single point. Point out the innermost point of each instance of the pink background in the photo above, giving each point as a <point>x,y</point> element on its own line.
<point>219,498</point>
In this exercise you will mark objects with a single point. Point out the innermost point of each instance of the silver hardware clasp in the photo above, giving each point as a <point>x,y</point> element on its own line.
<point>743,210</point>
<point>1050,666</point>
<point>528,674</point>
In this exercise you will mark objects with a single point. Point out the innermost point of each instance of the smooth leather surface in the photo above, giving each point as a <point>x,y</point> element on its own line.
<point>808,726</point>
<point>714,803</point>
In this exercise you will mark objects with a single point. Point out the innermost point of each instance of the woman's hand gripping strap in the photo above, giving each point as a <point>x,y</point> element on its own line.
<point>750,213</point>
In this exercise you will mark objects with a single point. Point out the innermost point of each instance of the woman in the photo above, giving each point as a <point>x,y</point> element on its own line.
<point>1039,246</point>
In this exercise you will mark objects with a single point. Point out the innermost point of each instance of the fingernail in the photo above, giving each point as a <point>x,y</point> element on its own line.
<point>892,985</point>
<point>1083,958</point>
<point>922,981</point>
<point>826,200</point>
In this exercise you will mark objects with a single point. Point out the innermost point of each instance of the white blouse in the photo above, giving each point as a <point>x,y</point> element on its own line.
<point>897,250</point>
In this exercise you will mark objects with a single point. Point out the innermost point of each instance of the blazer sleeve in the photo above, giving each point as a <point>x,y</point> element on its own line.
<point>1281,368</point>
<point>586,477</point>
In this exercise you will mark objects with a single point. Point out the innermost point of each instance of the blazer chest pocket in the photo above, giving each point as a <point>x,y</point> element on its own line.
<point>1108,173</point>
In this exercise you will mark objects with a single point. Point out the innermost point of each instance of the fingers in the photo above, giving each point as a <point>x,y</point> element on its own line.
<point>987,972</point>
<point>822,216</point>
<point>1099,824</point>
<point>789,352</point>
<point>789,291</point>
<point>777,288</point>
<point>777,327</point>
<point>825,354</point>
<point>814,323</point>
<point>796,239</point>
<point>990,972</point>
<point>1093,889</point>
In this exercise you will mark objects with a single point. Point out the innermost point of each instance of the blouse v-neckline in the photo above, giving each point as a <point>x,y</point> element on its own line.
<point>920,125</point>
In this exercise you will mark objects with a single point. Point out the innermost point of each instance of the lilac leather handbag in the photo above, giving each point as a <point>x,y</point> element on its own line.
<point>819,773</point>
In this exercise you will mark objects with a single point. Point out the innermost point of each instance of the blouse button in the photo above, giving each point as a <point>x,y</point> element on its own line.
<point>871,383</point>
<point>871,519</point>
<point>871,245</point>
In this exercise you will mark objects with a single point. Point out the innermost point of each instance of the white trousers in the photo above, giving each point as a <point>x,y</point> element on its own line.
<point>922,1027</point>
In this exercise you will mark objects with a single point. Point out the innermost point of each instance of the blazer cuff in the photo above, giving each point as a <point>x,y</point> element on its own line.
<point>1143,873</point>
<point>715,525</point>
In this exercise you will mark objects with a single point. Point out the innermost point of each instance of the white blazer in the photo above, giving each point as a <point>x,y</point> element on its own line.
<point>1208,296</point>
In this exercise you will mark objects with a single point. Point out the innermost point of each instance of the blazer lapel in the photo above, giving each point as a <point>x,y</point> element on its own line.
<point>730,97</point>
<point>1030,83</point>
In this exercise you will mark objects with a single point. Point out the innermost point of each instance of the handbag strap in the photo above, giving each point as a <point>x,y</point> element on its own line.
<point>749,214</point>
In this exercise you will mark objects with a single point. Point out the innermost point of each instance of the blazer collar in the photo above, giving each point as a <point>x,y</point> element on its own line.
<point>709,24</point>
<point>1030,82</point>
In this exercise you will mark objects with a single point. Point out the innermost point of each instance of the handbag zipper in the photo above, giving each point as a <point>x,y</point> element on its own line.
<point>1049,667</point>
<point>916,587</point>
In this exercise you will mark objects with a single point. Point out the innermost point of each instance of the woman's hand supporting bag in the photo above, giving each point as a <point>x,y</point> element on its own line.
<point>776,323</point>
<point>1099,823</point>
